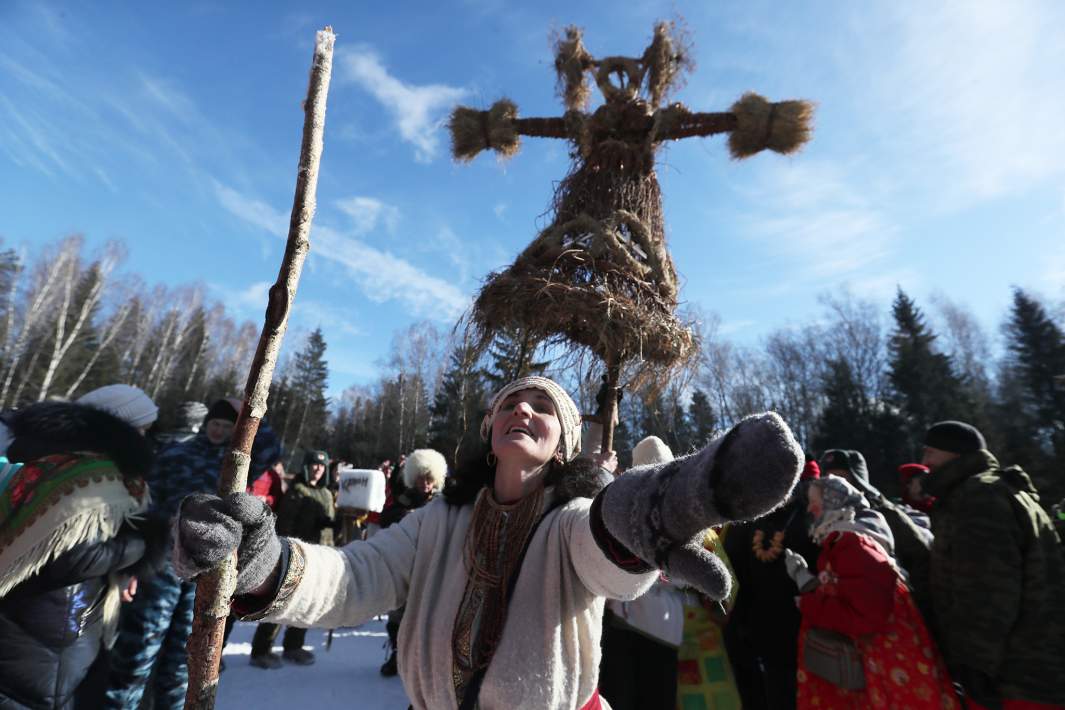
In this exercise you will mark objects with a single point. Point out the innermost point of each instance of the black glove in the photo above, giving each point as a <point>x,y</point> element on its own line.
<point>660,511</point>
<point>208,529</point>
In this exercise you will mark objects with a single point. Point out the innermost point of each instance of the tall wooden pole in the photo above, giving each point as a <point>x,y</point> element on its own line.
<point>214,590</point>
<point>610,404</point>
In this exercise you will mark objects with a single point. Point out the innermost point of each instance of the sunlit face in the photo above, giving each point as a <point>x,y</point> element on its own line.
<point>934,458</point>
<point>218,431</point>
<point>526,428</point>
<point>815,502</point>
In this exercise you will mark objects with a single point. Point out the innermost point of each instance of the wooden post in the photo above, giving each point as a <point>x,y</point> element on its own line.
<point>610,405</point>
<point>214,590</point>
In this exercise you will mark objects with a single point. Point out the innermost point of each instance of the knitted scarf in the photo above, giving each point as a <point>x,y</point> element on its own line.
<point>53,504</point>
<point>494,544</point>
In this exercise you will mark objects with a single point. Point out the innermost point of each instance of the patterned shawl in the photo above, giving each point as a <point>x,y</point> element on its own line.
<point>53,504</point>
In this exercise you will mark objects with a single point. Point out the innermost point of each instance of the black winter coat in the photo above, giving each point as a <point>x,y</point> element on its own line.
<point>52,624</point>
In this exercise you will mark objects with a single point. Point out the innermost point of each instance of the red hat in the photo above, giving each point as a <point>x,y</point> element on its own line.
<point>810,471</point>
<point>908,470</point>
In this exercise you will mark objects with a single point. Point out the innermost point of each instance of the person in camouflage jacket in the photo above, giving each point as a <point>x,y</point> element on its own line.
<point>306,513</point>
<point>997,575</point>
<point>154,628</point>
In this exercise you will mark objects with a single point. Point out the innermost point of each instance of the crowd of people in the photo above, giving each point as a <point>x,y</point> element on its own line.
<point>535,572</point>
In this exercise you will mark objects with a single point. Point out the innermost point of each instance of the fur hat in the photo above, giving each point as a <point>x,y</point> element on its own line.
<point>422,462</point>
<point>955,437</point>
<point>568,415</point>
<point>651,450</point>
<point>126,402</point>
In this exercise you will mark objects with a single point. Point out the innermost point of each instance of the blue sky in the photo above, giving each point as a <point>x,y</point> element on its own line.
<point>938,160</point>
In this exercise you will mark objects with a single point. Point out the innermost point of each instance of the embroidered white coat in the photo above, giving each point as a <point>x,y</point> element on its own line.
<point>548,656</point>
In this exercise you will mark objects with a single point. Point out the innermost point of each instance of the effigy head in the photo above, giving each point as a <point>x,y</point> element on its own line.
<point>647,79</point>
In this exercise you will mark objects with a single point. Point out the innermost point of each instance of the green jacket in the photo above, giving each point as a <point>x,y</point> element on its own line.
<point>307,513</point>
<point>998,579</point>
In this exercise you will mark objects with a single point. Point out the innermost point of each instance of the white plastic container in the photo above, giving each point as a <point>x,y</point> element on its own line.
<point>362,489</point>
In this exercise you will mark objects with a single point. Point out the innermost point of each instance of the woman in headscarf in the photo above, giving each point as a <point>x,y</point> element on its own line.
<point>858,600</point>
<point>504,576</point>
<point>74,537</point>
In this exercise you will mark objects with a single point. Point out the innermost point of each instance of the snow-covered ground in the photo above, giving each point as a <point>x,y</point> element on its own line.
<point>346,676</point>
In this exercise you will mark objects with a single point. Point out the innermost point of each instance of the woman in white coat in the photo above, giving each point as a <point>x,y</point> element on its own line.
<point>504,577</point>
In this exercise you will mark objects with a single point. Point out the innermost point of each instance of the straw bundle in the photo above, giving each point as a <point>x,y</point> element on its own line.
<point>473,131</point>
<point>666,60</point>
<point>571,61</point>
<point>782,127</point>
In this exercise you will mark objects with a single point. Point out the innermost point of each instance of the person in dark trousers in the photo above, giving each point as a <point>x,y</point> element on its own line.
<point>763,630</point>
<point>998,575</point>
<point>306,513</point>
<point>154,629</point>
<point>423,475</point>
<point>74,538</point>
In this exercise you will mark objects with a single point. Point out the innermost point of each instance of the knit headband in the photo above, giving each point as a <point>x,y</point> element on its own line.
<point>568,416</point>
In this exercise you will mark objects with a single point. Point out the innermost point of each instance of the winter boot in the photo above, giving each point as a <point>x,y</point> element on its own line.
<point>390,667</point>
<point>299,656</point>
<point>267,661</point>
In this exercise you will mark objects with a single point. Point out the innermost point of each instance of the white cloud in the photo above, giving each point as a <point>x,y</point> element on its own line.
<point>379,275</point>
<point>810,214</point>
<point>169,98</point>
<point>252,211</point>
<point>500,210</point>
<point>418,111</point>
<point>971,97</point>
<point>367,212</point>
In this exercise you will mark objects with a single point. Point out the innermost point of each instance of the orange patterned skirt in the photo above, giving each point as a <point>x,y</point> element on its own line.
<point>903,668</point>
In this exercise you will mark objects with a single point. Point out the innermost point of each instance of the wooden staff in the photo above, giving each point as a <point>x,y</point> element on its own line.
<point>610,404</point>
<point>214,590</point>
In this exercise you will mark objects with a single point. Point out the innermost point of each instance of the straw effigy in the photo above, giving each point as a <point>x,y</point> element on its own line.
<point>599,275</point>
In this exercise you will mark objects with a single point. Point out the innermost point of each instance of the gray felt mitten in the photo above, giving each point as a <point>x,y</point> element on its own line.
<point>208,529</point>
<point>660,511</point>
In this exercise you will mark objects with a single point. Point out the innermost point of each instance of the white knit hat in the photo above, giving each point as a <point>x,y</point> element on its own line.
<point>126,402</point>
<point>651,450</point>
<point>568,416</point>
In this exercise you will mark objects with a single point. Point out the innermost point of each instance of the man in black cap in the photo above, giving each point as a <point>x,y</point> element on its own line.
<point>997,575</point>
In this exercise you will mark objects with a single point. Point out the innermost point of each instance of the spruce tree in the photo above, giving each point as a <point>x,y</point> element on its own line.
<point>513,354</point>
<point>702,418</point>
<point>458,406</point>
<point>1037,346</point>
<point>1032,405</point>
<point>924,387</point>
<point>310,376</point>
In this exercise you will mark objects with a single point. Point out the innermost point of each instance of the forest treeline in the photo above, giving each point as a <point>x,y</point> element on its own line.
<point>866,375</point>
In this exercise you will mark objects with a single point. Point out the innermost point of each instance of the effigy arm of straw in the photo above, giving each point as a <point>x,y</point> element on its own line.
<point>214,590</point>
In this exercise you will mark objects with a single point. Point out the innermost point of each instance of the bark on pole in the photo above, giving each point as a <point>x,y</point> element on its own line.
<point>214,591</point>
<point>610,408</point>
